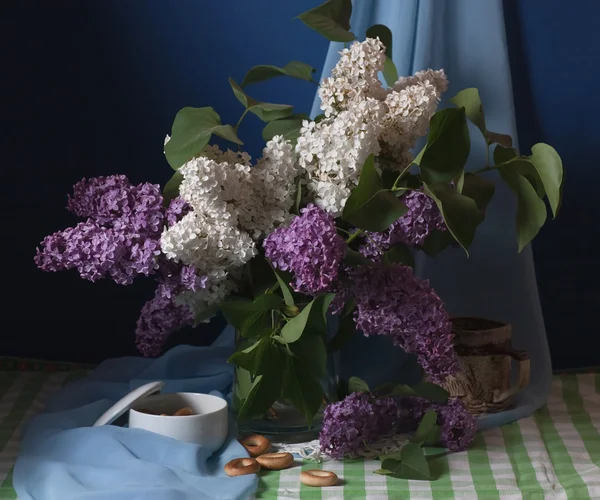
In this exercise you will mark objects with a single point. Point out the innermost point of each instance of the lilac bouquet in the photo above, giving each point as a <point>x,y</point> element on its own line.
<point>326,221</point>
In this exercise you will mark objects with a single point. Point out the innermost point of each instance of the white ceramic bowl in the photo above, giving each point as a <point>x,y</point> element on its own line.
<point>207,427</point>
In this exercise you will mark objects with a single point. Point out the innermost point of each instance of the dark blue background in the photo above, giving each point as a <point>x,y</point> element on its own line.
<point>91,88</point>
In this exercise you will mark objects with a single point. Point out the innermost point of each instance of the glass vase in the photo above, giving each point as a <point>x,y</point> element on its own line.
<point>283,422</point>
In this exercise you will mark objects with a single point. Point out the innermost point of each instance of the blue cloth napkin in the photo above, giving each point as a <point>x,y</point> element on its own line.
<point>63,457</point>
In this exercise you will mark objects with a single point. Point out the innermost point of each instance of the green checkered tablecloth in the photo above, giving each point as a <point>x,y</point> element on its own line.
<point>554,454</point>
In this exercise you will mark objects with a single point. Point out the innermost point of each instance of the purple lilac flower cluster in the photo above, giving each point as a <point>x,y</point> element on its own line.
<point>457,426</point>
<point>163,315</point>
<point>119,239</point>
<point>309,247</point>
<point>391,300</point>
<point>361,419</point>
<point>356,420</point>
<point>412,228</point>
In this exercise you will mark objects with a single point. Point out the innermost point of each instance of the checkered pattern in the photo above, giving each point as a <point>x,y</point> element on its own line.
<point>554,454</point>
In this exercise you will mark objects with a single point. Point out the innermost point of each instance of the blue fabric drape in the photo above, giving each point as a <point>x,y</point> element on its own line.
<point>62,457</point>
<point>467,39</point>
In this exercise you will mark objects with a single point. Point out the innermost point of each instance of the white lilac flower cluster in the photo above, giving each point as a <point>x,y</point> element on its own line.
<point>333,151</point>
<point>232,205</point>
<point>363,118</point>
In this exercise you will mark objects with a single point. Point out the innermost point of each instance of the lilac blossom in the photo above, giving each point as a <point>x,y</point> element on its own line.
<point>309,247</point>
<point>98,252</point>
<point>176,279</point>
<point>121,237</point>
<point>358,419</point>
<point>391,300</point>
<point>412,228</point>
<point>457,426</point>
<point>112,201</point>
<point>164,315</point>
<point>177,209</point>
<point>159,319</point>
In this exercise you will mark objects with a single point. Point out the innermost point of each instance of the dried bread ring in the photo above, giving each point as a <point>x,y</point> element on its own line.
<point>318,478</point>
<point>184,412</point>
<point>255,444</point>
<point>241,467</point>
<point>275,461</point>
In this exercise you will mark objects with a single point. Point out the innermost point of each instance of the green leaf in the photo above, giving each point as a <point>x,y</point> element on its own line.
<point>548,164</point>
<point>432,392</point>
<point>285,290</point>
<point>331,19</point>
<point>470,100</point>
<point>391,456</point>
<point>526,168</point>
<point>265,391</point>
<point>313,317</point>
<point>370,206</point>
<point>503,155</point>
<point>399,254</point>
<point>191,131</point>
<point>390,73</point>
<point>382,472</point>
<point>264,110</point>
<point>447,149</point>
<point>300,70</point>
<point>310,350</point>
<point>531,210</point>
<point>301,387</point>
<point>426,390</point>
<point>479,189</point>
<point>354,258</point>
<point>294,69</point>
<point>171,189</point>
<point>251,319</point>
<point>256,358</point>
<point>460,183</point>
<point>241,96</point>
<point>266,388</point>
<point>435,437</point>
<point>437,241</point>
<point>413,463</point>
<point>461,214</point>
<point>298,199</point>
<point>268,112</point>
<point>345,332</point>
<point>356,384</point>
<point>500,139</point>
<point>425,428</point>
<point>289,128</point>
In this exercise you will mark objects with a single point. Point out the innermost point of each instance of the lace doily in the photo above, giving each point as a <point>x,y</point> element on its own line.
<point>311,450</point>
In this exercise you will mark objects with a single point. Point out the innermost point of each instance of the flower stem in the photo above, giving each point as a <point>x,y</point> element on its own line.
<point>237,125</point>
<point>354,236</point>
<point>399,178</point>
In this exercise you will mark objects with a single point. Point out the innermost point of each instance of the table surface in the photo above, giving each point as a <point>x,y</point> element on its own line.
<point>554,454</point>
